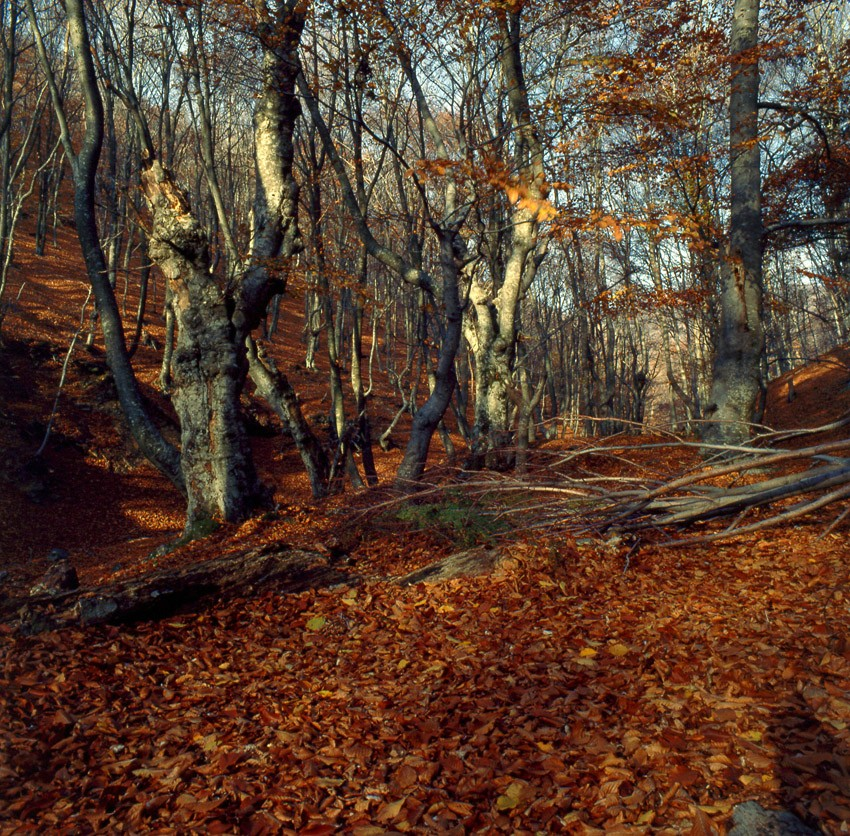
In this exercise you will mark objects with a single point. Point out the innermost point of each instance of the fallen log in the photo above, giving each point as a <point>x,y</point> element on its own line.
<point>686,501</point>
<point>167,591</point>
<point>689,509</point>
<point>477,561</point>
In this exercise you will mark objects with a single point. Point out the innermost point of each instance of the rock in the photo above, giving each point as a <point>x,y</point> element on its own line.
<point>60,577</point>
<point>751,819</point>
<point>57,554</point>
<point>33,480</point>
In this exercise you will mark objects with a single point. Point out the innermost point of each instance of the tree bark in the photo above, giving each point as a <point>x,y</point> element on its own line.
<point>496,304</point>
<point>209,365</point>
<point>428,417</point>
<point>276,390</point>
<point>740,338</point>
<point>84,167</point>
<point>165,592</point>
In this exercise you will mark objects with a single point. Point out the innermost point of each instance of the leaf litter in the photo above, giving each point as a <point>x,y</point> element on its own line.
<point>541,698</point>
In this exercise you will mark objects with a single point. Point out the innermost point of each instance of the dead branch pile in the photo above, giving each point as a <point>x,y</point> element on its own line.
<point>610,489</point>
<point>703,496</point>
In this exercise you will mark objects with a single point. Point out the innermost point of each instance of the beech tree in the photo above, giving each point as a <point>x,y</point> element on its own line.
<point>737,382</point>
<point>84,160</point>
<point>215,313</point>
<point>443,287</point>
<point>494,331</point>
<point>559,207</point>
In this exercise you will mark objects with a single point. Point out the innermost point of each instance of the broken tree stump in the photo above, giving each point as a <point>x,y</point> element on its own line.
<point>475,561</point>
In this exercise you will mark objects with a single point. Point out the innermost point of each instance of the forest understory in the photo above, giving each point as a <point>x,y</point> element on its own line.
<point>589,683</point>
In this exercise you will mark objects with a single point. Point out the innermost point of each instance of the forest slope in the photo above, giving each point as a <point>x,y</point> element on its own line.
<point>580,688</point>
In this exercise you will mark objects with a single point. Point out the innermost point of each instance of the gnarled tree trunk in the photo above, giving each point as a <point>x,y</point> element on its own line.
<point>209,365</point>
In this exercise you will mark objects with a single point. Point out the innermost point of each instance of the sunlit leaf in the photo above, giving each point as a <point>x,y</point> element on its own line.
<point>316,623</point>
<point>506,802</point>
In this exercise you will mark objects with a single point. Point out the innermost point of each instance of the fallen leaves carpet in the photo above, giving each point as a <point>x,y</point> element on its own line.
<point>568,692</point>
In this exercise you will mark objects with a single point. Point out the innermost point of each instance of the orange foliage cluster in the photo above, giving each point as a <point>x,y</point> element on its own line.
<point>632,299</point>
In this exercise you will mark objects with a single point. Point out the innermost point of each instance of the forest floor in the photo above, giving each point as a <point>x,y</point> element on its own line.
<point>582,687</point>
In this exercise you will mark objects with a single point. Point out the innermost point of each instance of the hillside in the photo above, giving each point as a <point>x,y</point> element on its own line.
<point>584,686</point>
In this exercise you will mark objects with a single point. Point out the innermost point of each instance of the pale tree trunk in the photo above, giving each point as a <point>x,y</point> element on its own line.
<point>216,314</point>
<point>275,235</point>
<point>165,380</point>
<point>354,91</point>
<point>209,364</point>
<point>736,384</point>
<point>497,304</point>
<point>526,402</point>
<point>312,328</point>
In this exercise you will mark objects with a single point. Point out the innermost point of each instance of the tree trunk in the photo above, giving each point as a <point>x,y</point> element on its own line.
<point>364,429</point>
<point>84,168</point>
<point>497,304</point>
<point>166,380</point>
<point>209,365</point>
<point>276,390</point>
<point>276,235</point>
<point>168,591</point>
<point>740,340</point>
<point>428,417</point>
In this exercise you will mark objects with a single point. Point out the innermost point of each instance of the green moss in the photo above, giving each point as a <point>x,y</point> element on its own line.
<point>199,529</point>
<point>196,530</point>
<point>464,522</point>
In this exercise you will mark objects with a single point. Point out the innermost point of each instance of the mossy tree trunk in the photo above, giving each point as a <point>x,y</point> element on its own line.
<point>209,364</point>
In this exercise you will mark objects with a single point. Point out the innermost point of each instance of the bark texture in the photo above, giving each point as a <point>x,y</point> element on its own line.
<point>428,417</point>
<point>215,314</point>
<point>493,332</point>
<point>736,384</point>
<point>162,593</point>
<point>84,162</point>
<point>209,364</point>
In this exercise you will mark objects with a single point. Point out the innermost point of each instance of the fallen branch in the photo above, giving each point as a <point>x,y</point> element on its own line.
<point>475,561</point>
<point>166,591</point>
<point>793,513</point>
<point>688,500</point>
